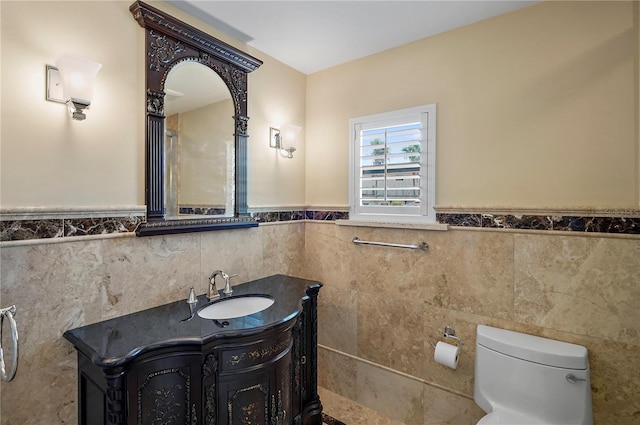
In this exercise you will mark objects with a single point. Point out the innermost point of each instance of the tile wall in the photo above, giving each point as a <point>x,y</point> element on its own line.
<point>70,282</point>
<point>380,307</point>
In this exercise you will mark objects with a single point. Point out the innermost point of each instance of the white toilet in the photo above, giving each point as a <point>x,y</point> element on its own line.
<point>523,379</point>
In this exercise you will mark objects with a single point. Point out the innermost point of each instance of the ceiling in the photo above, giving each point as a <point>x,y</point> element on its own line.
<point>314,35</point>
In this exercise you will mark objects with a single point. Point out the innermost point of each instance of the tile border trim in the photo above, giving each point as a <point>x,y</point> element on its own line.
<point>578,224</point>
<point>18,224</point>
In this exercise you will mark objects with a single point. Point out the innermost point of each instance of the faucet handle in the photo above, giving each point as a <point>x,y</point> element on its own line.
<point>192,297</point>
<point>227,287</point>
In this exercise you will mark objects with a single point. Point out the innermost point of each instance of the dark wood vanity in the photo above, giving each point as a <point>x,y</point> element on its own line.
<point>154,367</point>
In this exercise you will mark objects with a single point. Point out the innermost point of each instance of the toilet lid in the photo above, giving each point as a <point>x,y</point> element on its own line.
<point>508,417</point>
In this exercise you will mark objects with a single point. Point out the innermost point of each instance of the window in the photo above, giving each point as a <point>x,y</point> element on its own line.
<point>393,172</point>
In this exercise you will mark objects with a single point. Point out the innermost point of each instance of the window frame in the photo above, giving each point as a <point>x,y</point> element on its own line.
<point>425,213</point>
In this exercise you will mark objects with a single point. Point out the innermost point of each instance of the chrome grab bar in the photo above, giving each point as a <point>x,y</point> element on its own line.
<point>9,313</point>
<point>421,246</point>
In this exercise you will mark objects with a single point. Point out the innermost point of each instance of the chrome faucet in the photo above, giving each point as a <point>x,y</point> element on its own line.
<point>213,290</point>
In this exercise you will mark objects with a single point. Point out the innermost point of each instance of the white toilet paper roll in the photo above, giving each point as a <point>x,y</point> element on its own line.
<point>447,354</point>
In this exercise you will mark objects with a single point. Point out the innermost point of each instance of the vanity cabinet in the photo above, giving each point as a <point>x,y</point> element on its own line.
<point>237,374</point>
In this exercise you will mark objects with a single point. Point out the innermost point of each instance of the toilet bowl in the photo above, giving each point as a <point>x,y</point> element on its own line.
<point>523,379</point>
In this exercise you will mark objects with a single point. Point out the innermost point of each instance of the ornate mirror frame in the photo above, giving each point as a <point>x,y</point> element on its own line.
<point>169,41</point>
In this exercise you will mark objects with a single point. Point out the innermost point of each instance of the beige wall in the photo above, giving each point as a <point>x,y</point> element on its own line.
<point>46,158</point>
<point>536,108</point>
<point>50,160</point>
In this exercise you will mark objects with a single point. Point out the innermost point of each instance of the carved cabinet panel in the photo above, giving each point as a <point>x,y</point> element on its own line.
<point>259,395</point>
<point>165,389</point>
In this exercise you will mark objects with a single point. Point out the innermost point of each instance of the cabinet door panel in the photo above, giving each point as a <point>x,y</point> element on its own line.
<point>162,391</point>
<point>258,397</point>
<point>246,399</point>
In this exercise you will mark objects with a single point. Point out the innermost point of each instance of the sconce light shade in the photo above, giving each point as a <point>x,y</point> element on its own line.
<point>78,77</point>
<point>285,139</point>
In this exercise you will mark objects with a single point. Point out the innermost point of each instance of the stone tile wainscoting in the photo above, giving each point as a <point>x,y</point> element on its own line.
<point>379,306</point>
<point>65,282</point>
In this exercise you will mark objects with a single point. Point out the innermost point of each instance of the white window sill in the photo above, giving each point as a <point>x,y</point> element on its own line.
<point>422,226</point>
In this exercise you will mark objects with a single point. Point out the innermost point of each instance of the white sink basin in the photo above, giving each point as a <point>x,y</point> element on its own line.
<point>229,308</point>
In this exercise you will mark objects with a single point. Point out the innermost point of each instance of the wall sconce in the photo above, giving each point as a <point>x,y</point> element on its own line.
<point>284,139</point>
<point>71,82</point>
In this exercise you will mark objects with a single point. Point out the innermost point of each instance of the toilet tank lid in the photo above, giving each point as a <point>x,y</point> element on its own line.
<point>533,348</point>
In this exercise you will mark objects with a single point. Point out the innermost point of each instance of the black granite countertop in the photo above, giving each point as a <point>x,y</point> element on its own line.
<point>114,342</point>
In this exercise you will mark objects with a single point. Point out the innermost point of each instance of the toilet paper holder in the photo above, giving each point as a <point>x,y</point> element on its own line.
<point>449,332</point>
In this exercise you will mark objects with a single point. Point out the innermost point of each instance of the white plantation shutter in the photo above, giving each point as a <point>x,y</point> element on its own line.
<point>393,166</point>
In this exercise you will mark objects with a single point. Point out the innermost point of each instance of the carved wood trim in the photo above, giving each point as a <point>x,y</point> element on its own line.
<point>116,405</point>
<point>168,406</point>
<point>211,405</point>
<point>249,409</point>
<point>168,42</point>
<point>151,18</point>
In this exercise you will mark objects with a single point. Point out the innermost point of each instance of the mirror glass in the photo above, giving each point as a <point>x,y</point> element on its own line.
<point>199,144</point>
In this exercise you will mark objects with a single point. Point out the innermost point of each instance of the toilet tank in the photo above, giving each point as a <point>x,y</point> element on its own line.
<point>530,375</point>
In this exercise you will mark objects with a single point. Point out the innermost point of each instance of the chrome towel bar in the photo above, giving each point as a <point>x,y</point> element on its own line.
<point>423,246</point>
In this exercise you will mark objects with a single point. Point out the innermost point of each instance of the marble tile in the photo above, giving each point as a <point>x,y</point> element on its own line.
<point>445,408</point>
<point>325,256</point>
<point>470,272</point>
<point>615,387</point>
<point>461,378</point>
<point>338,319</point>
<point>54,287</point>
<point>528,222</point>
<point>385,271</point>
<point>149,272</point>
<point>588,286</point>
<point>629,225</point>
<point>15,226</point>
<point>100,226</point>
<point>277,216</point>
<point>393,395</point>
<point>572,288</point>
<point>606,221</point>
<point>337,373</point>
<point>17,230</point>
<point>326,215</point>
<point>285,215</point>
<point>283,249</point>
<point>464,220</point>
<point>55,394</point>
<point>391,332</point>
<point>238,251</point>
